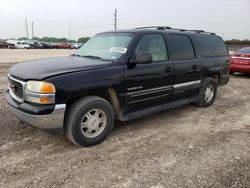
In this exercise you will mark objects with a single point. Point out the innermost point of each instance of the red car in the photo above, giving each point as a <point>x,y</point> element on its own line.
<point>62,46</point>
<point>240,61</point>
<point>3,45</point>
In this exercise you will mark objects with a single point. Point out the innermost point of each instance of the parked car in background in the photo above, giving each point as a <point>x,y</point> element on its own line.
<point>76,46</point>
<point>3,45</point>
<point>18,44</point>
<point>240,61</point>
<point>62,46</point>
<point>46,45</point>
<point>35,44</point>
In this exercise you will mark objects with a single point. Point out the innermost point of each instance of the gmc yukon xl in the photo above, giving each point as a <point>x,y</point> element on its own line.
<point>121,75</point>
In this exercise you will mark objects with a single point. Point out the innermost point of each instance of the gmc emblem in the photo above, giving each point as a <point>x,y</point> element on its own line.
<point>12,87</point>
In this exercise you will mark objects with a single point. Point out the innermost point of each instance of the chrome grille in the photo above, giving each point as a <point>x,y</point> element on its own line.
<point>16,88</point>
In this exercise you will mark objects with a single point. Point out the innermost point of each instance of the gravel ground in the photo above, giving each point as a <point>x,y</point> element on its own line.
<point>184,147</point>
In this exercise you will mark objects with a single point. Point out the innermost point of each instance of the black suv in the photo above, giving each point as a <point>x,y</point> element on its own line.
<point>119,75</point>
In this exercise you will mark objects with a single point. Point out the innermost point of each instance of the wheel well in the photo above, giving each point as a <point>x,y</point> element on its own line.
<point>216,77</point>
<point>108,94</point>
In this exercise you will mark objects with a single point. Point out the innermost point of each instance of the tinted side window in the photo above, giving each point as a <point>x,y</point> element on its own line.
<point>182,47</point>
<point>211,45</point>
<point>153,44</point>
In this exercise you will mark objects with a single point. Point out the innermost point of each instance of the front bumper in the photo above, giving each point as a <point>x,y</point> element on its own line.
<point>52,121</point>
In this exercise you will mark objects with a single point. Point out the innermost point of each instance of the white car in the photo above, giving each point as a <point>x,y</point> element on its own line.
<point>18,44</point>
<point>76,45</point>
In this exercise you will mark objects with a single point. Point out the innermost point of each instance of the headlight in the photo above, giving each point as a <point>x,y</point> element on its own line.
<point>40,92</point>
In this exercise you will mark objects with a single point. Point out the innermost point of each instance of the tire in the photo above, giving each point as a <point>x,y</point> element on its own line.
<point>82,119</point>
<point>232,73</point>
<point>205,99</point>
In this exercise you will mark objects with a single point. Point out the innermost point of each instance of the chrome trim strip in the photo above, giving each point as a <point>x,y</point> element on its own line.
<point>134,88</point>
<point>147,90</point>
<point>187,84</point>
<point>49,121</point>
<point>150,92</point>
<point>50,96</point>
<point>16,80</point>
<point>39,95</point>
<point>13,95</point>
<point>149,98</point>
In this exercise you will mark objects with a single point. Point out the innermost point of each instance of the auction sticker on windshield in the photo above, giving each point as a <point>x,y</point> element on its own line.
<point>118,50</point>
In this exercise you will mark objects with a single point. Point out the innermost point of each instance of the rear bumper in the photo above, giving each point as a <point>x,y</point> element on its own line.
<point>50,122</point>
<point>240,68</point>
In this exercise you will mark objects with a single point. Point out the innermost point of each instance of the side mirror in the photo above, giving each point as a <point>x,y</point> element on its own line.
<point>142,58</point>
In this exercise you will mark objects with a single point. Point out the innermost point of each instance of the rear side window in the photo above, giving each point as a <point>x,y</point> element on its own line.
<point>211,45</point>
<point>182,47</point>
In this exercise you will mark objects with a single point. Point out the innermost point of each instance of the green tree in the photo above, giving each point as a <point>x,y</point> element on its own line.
<point>83,39</point>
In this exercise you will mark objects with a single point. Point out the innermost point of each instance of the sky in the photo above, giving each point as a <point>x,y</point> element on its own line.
<point>228,18</point>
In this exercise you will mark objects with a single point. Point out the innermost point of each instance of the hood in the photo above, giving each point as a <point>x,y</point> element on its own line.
<point>43,68</point>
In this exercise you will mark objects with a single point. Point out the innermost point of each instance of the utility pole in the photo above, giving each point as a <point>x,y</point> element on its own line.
<point>26,25</point>
<point>69,30</point>
<point>32,27</point>
<point>115,24</point>
<point>69,35</point>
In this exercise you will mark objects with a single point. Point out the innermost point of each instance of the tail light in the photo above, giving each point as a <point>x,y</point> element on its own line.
<point>240,58</point>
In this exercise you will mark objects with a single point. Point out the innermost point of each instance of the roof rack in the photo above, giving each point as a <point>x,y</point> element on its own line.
<point>155,27</point>
<point>176,29</point>
<point>191,30</point>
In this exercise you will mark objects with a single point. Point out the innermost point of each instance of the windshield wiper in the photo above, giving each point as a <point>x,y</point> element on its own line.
<point>92,56</point>
<point>95,57</point>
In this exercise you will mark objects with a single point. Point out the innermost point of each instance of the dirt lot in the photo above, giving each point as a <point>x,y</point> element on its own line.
<point>184,147</point>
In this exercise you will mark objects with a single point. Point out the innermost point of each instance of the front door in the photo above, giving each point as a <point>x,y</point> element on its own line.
<point>147,82</point>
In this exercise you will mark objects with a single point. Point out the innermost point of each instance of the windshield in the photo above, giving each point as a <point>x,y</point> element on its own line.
<point>108,46</point>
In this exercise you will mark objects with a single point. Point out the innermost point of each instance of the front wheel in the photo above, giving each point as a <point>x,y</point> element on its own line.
<point>89,121</point>
<point>207,93</point>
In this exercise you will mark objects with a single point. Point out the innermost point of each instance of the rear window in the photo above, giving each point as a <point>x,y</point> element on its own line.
<point>182,47</point>
<point>211,45</point>
<point>245,50</point>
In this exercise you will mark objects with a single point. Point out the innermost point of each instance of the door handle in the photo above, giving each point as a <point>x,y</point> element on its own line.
<point>169,69</point>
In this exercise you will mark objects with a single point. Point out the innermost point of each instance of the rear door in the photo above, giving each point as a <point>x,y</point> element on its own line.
<point>186,64</point>
<point>148,82</point>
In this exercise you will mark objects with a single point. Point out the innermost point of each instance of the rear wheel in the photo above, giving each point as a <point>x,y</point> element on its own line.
<point>89,121</point>
<point>207,93</point>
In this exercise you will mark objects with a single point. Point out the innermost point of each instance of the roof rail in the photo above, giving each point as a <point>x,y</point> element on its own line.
<point>197,31</point>
<point>167,27</point>
<point>155,27</point>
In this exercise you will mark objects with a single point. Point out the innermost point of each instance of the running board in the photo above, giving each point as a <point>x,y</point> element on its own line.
<point>147,111</point>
